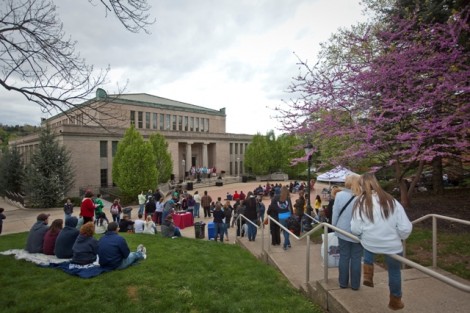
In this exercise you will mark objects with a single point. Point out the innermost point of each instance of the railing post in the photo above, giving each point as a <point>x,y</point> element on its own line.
<point>434,242</point>
<point>307,269</point>
<point>325,254</point>
<point>262,236</point>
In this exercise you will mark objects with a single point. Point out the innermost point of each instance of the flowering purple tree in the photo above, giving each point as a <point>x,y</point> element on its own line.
<point>400,97</point>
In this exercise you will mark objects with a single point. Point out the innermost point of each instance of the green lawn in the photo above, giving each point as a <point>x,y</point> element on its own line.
<point>179,275</point>
<point>453,250</point>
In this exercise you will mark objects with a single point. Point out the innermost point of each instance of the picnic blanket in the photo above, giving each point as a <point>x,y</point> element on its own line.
<point>37,258</point>
<point>43,260</point>
<point>83,271</point>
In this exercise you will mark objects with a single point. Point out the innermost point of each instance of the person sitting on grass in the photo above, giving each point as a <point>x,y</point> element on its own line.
<point>35,240</point>
<point>126,225</point>
<point>139,224</point>
<point>85,247</point>
<point>114,252</point>
<point>169,229</point>
<point>66,239</point>
<point>101,223</point>
<point>149,226</point>
<point>51,236</point>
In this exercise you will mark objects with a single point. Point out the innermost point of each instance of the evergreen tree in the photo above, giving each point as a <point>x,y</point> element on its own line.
<point>134,165</point>
<point>49,176</point>
<point>11,171</point>
<point>163,157</point>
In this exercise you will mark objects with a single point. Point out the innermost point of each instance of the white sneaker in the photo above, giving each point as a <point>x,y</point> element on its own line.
<point>141,248</point>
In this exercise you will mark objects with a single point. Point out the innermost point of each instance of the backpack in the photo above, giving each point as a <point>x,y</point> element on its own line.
<point>114,210</point>
<point>293,225</point>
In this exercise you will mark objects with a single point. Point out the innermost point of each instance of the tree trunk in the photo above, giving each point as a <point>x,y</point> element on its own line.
<point>404,195</point>
<point>437,184</point>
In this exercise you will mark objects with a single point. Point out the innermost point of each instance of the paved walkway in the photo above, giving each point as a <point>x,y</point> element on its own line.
<point>420,292</point>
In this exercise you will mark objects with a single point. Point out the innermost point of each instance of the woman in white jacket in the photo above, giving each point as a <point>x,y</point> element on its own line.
<point>381,223</point>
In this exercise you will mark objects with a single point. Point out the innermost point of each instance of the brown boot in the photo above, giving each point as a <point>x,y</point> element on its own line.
<point>395,303</point>
<point>368,275</point>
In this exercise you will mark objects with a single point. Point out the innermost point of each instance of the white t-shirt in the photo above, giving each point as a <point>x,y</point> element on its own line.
<point>139,226</point>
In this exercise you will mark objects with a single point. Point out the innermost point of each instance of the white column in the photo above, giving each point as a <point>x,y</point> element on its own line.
<point>188,156</point>
<point>204,155</point>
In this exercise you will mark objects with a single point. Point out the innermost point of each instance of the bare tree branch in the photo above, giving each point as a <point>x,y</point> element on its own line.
<point>38,61</point>
<point>133,14</point>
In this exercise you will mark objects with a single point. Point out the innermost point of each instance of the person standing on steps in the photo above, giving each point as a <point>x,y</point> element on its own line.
<point>350,251</point>
<point>381,224</point>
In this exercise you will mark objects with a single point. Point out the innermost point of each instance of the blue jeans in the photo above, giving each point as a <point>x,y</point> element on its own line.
<point>141,209</point>
<point>252,230</point>
<point>196,210</point>
<point>117,218</point>
<point>350,254</point>
<point>177,232</point>
<point>164,215</point>
<point>286,235</point>
<point>131,259</point>
<point>394,271</point>
<point>219,229</point>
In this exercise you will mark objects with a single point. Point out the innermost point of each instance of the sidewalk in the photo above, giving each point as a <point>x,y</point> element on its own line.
<point>420,292</point>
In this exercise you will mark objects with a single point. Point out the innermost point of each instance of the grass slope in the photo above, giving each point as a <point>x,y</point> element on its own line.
<point>179,275</point>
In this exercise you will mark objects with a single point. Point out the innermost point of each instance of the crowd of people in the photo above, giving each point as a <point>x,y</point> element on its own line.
<point>361,208</point>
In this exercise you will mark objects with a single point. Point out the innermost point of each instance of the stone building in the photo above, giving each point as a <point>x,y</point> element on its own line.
<point>196,136</point>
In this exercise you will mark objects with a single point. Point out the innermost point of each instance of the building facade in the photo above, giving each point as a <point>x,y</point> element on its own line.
<point>196,136</point>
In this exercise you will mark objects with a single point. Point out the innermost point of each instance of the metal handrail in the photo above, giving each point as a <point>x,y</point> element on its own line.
<point>434,231</point>
<point>452,282</point>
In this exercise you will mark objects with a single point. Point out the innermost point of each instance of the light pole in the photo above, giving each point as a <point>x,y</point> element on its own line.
<point>183,162</point>
<point>308,151</point>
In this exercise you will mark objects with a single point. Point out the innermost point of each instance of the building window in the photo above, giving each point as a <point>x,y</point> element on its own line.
<point>174,123</point>
<point>191,123</point>
<point>104,177</point>
<point>236,148</point>
<point>185,123</point>
<point>132,118</point>
<point>140,119</point>
<point>154,121</point>
<point>103,149</point>
<point>180,122</point>
<point>162,121</point>
<point>241,167</point>
<point>207,125</point>
<point>147,119</point>
<point>114,146</point>
<point>231,148</point>
<point>167,121</point>
<point>241,148</point>
<point>231,170</point>
<point>197,124</point>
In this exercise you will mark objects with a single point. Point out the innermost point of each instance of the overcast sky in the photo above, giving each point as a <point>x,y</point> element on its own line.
<point>233,54</point>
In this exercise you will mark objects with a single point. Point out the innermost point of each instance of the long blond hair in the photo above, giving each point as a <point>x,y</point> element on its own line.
<point>369,185</point>
<point>352,182</point>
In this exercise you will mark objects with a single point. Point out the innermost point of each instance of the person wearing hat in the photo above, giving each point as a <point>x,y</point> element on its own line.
<point>35,239</point>
<point>169,229</point>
